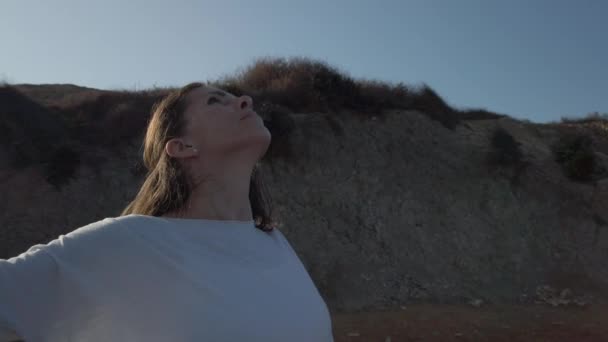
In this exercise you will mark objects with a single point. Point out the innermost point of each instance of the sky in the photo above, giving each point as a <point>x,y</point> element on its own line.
<point>538,60</point>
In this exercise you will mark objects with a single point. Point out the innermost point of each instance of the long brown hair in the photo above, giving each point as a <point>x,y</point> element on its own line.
<point>166,186</point>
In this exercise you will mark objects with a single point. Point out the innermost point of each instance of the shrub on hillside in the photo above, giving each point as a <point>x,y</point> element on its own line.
<point>111,118</point>
<point>280,125</point>
<point>377,95</point>
<point>478,114</point>
<point>574,153</point>
<point>429,102</point>
<point>306,85</point>
<point>298,83</point>
<point>137,168</point>
<point>505,150</point>
<point>128,118</point>
<point>62,166</point>
<point>591,117</point>
<point>27,129</point>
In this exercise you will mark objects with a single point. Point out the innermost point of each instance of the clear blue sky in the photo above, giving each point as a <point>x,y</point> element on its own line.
<point>532,59</point>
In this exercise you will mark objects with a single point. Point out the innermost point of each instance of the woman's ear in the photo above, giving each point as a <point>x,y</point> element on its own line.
<point>193,148</point>
<point>177,148</point>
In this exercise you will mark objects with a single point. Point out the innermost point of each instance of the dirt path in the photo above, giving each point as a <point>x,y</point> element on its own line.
<point>467,323</point>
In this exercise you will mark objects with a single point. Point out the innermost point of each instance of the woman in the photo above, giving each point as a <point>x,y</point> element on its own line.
<point>185,261</point>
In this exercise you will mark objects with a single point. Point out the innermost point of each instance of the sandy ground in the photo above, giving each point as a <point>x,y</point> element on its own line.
<point>468,323</point>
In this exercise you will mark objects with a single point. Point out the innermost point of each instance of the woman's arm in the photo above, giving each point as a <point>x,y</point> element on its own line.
<point>45,290</point>
<point>27,285</point>
<point>8,334</point>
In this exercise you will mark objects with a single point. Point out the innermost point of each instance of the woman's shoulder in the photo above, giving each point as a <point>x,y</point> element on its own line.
<point>87,239</point>
<point>103,232</point>
<point>105,226</point>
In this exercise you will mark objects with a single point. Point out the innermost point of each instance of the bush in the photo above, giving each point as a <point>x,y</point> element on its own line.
<point>280,126</point>
<point>306,85</point>
<point>111,118</point>
<point>478,114</point>
<point>138,168</point>
<point>506,150</point>
<point>575,154</point>
<point>297,83</point>
<point>27,128</point>
<point>62,166</point>
<point>376,96</point>
<point>128,117</point>
<point>591,117</point>
<point>427,101</point>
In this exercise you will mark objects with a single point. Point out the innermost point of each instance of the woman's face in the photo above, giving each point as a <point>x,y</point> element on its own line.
<point>219,122</point>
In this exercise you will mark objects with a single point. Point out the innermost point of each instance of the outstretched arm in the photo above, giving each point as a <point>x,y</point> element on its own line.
<point>8,334</point>
<point>26,289</point>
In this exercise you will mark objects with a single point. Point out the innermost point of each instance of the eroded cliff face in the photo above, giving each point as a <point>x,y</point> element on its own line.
<point>396,209</point>
<point>402,209</point>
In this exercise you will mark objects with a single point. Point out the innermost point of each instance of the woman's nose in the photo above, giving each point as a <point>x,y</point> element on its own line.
<point>245,101</point>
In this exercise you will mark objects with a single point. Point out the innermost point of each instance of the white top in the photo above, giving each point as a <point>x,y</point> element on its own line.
<point>147,278</point>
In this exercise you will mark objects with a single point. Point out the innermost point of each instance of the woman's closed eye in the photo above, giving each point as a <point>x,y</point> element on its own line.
<point>212,98</point>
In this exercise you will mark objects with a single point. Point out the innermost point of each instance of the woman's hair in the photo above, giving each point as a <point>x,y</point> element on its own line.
<point>166,186</point>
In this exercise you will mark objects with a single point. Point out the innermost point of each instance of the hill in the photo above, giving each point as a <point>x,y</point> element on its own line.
<point>388,194</point>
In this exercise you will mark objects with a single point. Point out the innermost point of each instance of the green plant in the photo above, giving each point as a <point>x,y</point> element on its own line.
<point>62,166</point>
<point>308,85</point>
<point>280,126</point>
<point>478,114</point>
<point>429,102</point>
<point>590,117</point>
<point>574,152</point>
<point>506,150</point>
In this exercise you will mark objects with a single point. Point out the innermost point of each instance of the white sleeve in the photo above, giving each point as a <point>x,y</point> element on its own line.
<point>29,285</point>
<point>8,334</point>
